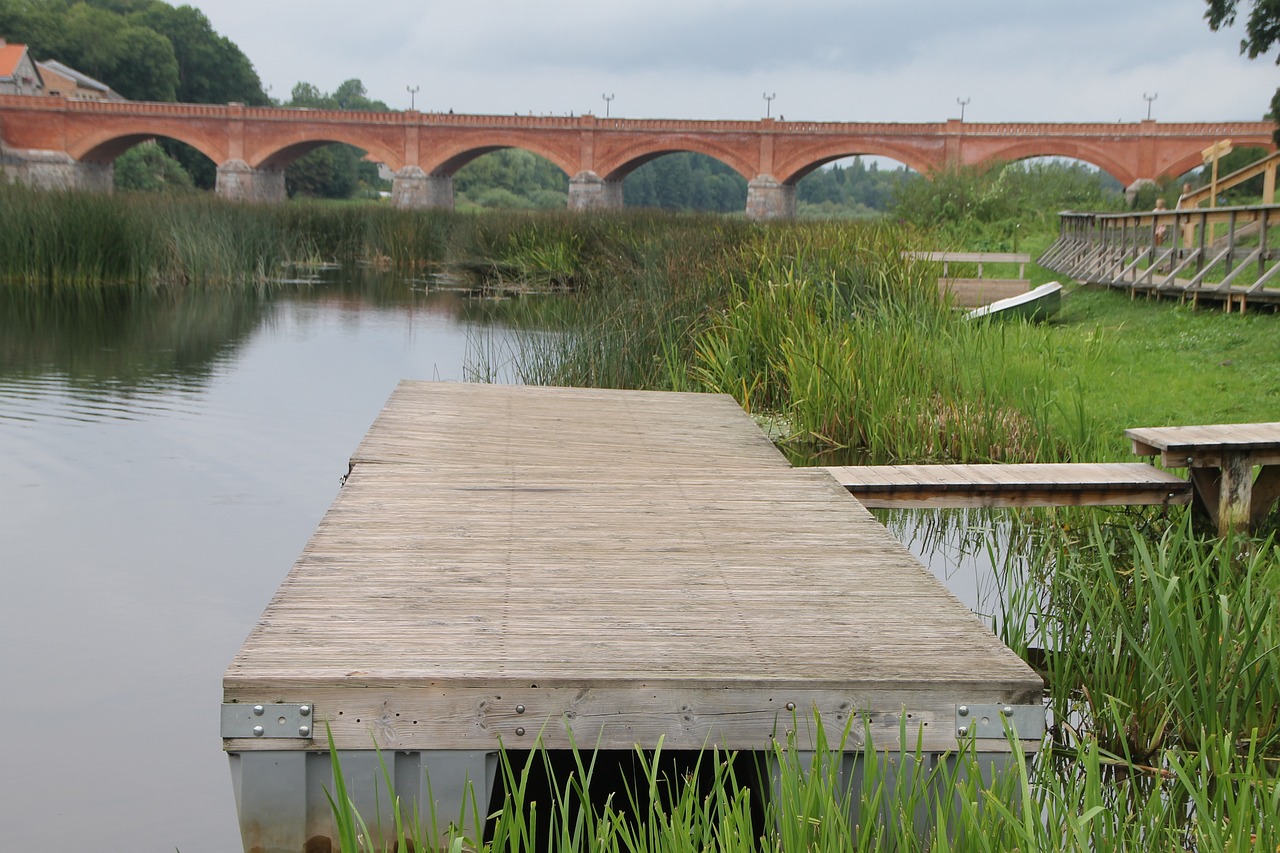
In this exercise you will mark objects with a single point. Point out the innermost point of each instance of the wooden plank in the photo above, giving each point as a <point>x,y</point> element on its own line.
<point>970,257</point>
<point>976,292</point>
<point>1205,445</point>
<point>1057,484</point>
<point>642,565</point>
<point>452,717</point>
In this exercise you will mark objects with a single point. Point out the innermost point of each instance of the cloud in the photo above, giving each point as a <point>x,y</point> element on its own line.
<point>826,59</point>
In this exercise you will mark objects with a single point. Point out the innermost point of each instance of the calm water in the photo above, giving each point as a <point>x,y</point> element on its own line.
<point>162,462</point>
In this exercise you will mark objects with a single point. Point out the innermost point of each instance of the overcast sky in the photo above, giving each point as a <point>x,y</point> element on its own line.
<point>826,60</point>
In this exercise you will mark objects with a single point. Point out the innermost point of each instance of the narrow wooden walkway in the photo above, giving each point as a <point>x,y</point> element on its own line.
<point>1058,484</point>
<point>505,560</point>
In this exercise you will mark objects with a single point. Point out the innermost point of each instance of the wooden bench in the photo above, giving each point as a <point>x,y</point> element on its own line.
<point>979,291</point>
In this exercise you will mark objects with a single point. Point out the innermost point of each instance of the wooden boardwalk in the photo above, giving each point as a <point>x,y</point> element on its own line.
<point>1057,484</point>
<point>503,561</point>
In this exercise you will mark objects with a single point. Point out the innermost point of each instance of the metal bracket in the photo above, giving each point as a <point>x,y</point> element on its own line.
<point>267,721</point>
<point>988,721</point>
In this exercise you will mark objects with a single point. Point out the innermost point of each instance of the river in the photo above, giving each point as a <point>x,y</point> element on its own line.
<point>163,459</point>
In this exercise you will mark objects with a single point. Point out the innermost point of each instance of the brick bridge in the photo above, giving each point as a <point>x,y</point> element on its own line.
<point>55,142</point>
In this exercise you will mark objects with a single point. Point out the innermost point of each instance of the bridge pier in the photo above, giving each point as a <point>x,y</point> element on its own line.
<point>1131,191</point>
<point>589,191</point>
<point>413,188</point>
<point>55,170</point>
<point>237,181</point>
<point>768,198</point>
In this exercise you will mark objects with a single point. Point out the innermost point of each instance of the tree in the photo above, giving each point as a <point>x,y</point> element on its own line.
<point>1262,32</point>
<point>336,170</point>
<point>147,168</point>
<point>212,70</point>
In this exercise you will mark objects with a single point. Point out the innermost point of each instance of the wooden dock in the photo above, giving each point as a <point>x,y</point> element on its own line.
<point>505,562</point>
<point>1219,254</point>
<point>1057,484</point>
<point>1221,459</point>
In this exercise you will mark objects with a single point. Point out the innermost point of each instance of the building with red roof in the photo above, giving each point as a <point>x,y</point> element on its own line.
<point>18,72</point>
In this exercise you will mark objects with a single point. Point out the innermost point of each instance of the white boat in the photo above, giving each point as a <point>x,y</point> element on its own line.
<point>1038,304</point>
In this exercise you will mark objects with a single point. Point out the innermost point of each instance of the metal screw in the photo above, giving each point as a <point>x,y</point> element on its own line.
<point>791,706</point>
<point>520,731</point>
<point>304,731</point>
<point>258,710</point>
<point>962,731</point>
<point>519,709</point>
<point>1007,710</point>
<point>305,710</point>
<point>258,731</point>
<point>963,710</point>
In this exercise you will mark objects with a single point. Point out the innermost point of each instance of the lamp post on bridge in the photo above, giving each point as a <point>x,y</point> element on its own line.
<point>608,99</point>
<point>413,91</point>
<point>963,103</point>
<point>768,104</point>
<point>1149,99</point>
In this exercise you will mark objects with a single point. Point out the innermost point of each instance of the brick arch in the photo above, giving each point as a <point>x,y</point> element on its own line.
<point>454,154</point>
<point>1186,163</point>
<point>1060,148</point>
<point>1194,159</point>
<point>462,158</point>
<point>287,148</point>
<point>810,160</point>
<point>626,160</point>
<point>106,145</point>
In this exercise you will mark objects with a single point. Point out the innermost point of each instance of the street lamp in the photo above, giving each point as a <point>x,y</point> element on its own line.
<point>963,103</point>
<point>768,104</point>
<point>608,99</point>
<point>413,91</point>
<point>1149,99</point>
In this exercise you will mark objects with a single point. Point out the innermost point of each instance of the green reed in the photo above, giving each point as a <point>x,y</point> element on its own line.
<point>1215,793</point>
<point>825,330</point>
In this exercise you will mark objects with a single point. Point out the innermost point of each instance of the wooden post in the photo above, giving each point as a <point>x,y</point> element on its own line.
<point>1235,494</point>
<point>1269,185</point>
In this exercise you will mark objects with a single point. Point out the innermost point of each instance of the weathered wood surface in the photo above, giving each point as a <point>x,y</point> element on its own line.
<point>979,258</point>
<point>977,292</point>
<point>1195,254</point>
<point>640,565</point>
<point>1204,445</point>
<point>1221,459</point>
<point>1056,484</point>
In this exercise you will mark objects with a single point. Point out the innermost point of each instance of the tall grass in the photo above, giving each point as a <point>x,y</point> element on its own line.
<point>824,330</point>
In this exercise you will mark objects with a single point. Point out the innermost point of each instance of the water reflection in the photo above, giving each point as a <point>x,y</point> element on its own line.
<point>985,557</point>
<point>164,456</point>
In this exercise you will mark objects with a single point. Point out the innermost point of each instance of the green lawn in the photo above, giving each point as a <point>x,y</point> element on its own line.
<point>1149,362</point>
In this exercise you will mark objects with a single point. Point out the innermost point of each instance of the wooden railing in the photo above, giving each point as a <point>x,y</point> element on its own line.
<point>1222,254</point>
<point>1265,167</point>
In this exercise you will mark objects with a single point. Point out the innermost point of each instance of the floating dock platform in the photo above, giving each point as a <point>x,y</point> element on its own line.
<point>1032,485</point>
<point>505,564</point>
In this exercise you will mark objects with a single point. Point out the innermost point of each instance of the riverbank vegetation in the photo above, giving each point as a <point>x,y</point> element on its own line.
<point>1158,643</point>
<point>821,328</point>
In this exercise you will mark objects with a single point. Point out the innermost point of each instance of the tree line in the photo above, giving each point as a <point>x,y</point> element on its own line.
<point>146,50</point>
